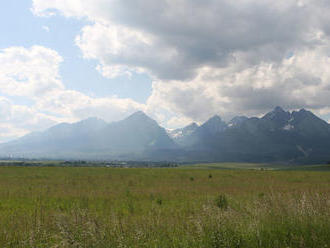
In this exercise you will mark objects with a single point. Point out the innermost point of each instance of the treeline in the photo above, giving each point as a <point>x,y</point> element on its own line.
<point>82,163</point>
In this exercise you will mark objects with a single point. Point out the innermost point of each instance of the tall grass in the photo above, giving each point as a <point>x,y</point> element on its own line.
<point>98,207</point>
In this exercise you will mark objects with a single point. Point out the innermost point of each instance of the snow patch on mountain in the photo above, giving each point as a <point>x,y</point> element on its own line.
<point>288,127</point>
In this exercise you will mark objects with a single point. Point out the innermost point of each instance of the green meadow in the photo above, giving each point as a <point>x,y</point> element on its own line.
<point>190,206</point>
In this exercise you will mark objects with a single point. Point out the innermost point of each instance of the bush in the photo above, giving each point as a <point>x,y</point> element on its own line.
<point>159,201</point>
<point>221,202</point>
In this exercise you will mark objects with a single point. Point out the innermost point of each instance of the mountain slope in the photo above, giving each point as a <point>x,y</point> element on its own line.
<point>93,138</point>
<point>180,135</point>
<point>62,137</point>
<point>279,136</point>
<point>199,137</point>
<point>136,133</point>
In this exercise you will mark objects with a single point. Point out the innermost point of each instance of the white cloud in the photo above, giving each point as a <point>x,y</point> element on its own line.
<point>78,106</point>
<point>177,122</point>
<point>210,57</point>
<point>122,50</point>
<point>29,72</point>
<point>5,108</point>
<point>9,132</point>
<point>302,80</point>
<point>173,39</point>
<point>46,28</point>
<point>33,73</point>
<point>18,120</point>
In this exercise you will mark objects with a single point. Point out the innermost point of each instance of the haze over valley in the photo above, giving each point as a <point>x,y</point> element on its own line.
<point>278,136</point>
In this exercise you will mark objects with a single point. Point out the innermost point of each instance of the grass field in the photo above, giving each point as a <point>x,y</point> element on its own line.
<point>251,166</point>
<point>180,207</point>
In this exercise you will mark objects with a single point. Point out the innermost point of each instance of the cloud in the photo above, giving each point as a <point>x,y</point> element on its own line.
<point>8,132</point>
<point>33,74</point>
<point>46,28</point>
<point>177,122</point>
<point>18,120</point>
<point>5,108</point>
<point>210,57</point>
<point>29,72</point>
<point>74,104</point>
<point>122,50</point>
<point>303,80</point>
<point>173,39</point>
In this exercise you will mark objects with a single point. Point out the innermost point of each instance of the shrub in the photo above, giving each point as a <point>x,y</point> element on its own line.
<point>261,195</point>
<point>221,202</point>
<point>159,201</point>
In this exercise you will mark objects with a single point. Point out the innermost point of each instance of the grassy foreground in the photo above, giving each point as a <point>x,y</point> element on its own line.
<point>102,207</point>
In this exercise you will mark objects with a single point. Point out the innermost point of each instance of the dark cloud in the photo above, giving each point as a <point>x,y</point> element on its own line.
<point>212,33</point>
<point>212,56</point>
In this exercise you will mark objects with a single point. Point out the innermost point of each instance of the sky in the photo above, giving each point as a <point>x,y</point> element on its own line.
<point>179,61</point>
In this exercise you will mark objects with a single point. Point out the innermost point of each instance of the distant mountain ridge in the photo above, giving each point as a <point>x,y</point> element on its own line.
<point>278,136</point>
<point>93,139</point>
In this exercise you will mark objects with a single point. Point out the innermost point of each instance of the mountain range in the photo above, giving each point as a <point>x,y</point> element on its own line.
<point>279,136</point>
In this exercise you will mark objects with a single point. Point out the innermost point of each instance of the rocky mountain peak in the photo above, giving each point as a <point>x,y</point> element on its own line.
<point>237,120</point>
<point>214,125</point>
<point>139,117</point>
<point>278,117</point>
<point>191,126</point>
